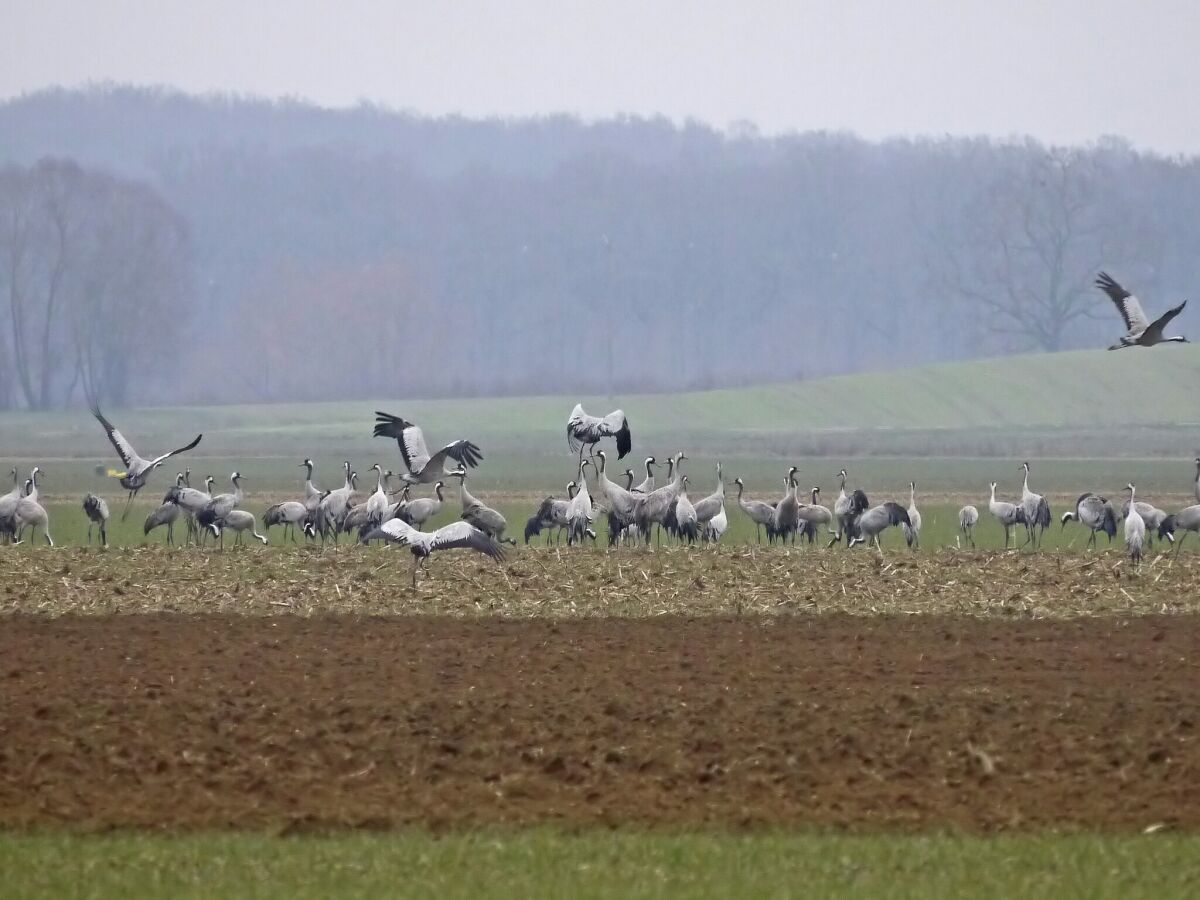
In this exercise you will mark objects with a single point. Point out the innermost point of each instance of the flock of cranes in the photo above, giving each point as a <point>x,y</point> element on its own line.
<point>637,514</point>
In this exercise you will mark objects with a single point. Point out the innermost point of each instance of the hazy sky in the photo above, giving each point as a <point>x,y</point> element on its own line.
<point>1062,70</point>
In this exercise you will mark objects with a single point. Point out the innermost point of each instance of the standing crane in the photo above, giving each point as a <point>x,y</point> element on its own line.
<point>870,524</point>
<point>714,503</point>
<point>1135,529</point>
<point>1187,519</point>
<point>787,518</point>
<point>1195,485</point>
<point>653,508</point>
<point>587,431</point>
<point>97,512</point>
<point>480,515</point>
<point>686,523</point>
<point>912,531</point>
<point>333,506</point>
<point>621,501</point>
<point>1007,514</point>
<point>1141,332</point>
<point>423,509</point>
<point>847,508</point>
<point>240,521</point>
<point>164,514</point>
<point>424,544</point>
<point>756,511</point>
<point>1094,513</point>
<point>137,469</point>
<point>579,510</point>
<point>647,484</point>
<point>968,518</point>
<point>1036,511</point>
<point>289,514</point>
<point>31,514</point>
<point>813,514</point>
<point>420,466</point>
<point>221,505</point>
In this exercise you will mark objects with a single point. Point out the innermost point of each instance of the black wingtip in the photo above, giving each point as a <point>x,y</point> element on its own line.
<point>624,440</point>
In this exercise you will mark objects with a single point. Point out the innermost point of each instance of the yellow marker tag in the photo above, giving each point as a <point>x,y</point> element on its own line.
<point>113,473</point>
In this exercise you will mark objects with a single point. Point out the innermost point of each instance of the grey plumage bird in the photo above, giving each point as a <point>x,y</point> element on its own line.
<point>756,511</point>
<point>1141,332</point>
<point>869,525</point>
<point>1036,510</point>
<point>96,511</point>
<point>647,484</point>
<point>166,513</point>
<point>585,431</point>
<point>137,468</point>
<point>1094,513</point>
<point>1187,519</point>
<point>1007,514</point>
<point>686,523</point>
<point>31,514</point>
<point>912,531</point>
<point>479,514</point>
<point>968,518</point>
<point>1135,529</point>
<point>239,521</point>
<point>424,544</point>
<point>221,505</point>
<point>421,466</point>
<point>423,509</point>
<point>289,514</point>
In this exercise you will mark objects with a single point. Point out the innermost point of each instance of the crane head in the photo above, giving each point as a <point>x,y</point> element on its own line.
<point>738,480</point>
<point>1025,467</point>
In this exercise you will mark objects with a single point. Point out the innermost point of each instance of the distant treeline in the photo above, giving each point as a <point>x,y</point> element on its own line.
<point>365,252</point>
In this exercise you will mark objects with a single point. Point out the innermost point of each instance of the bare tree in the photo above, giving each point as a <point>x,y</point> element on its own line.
<point>1029,248</point>
<point>94,273</point>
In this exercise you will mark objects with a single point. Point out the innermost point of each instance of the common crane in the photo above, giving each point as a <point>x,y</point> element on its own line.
<point>378,503</point>
<point>1036,511</point>
<point>685,514</point>
<point>312,493</point>
<point>647,484</point>
<point>551,513</point>
<point>912,531</point>
<point>166,513</point>
<point>787,518</point>
<point>289,514</point>
<point>621,502</point>
<point>8,504</point>
<point>221,505</point>
<point>756,511</point>
<point>870,524</point>
<point>239,521</point>
<point>423,509</point>
<point>847,508</point>
<point>137,469</point>
<point>1187,519</point>
<point>332,508</point>
<point>423,544</point>
<point>715,528</point>
<point>1135,529</point>
<point>587,431</point>
<point>1007,514</point>
<point>191,501</point>
<point>422,468</point>
<point>31,514</point>
<point>652,509</point>
<point>1151,515</point>
<point>97,512</point>
<point>481,516</point>
<point>814,514</point>
<point>709,506</point>
<point>1095,513</point>
<point>1141,331</point>
<point>579,510</point>
<point>968,518</point>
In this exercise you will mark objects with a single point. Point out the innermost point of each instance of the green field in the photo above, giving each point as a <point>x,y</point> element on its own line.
<point>544,863</point>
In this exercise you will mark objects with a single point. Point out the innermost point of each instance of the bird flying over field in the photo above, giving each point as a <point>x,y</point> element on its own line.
<point>423,468</point>
<point>137,469</point>
<point>585,431</point>
<point>1141,331</point>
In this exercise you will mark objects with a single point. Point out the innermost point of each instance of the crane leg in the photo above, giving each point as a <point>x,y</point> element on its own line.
<point>128,503</point>
<point>170,534</point>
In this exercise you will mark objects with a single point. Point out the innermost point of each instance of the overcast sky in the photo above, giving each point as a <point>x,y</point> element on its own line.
<point>1061,70</point>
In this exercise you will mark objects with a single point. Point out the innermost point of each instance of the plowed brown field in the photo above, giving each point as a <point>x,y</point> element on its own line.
<point>170,720</point>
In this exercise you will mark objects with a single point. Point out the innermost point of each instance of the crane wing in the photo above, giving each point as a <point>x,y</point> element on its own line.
<point>463,534</point>
<point>617,425</point>
<point>158,460</point>
<point>1162,321</point>
<point>463,452</point>
<point>124,449</point>
<point>1128,305</point>
<point>582,428</point>
<point>396,530</point>
<point>408,436</point>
